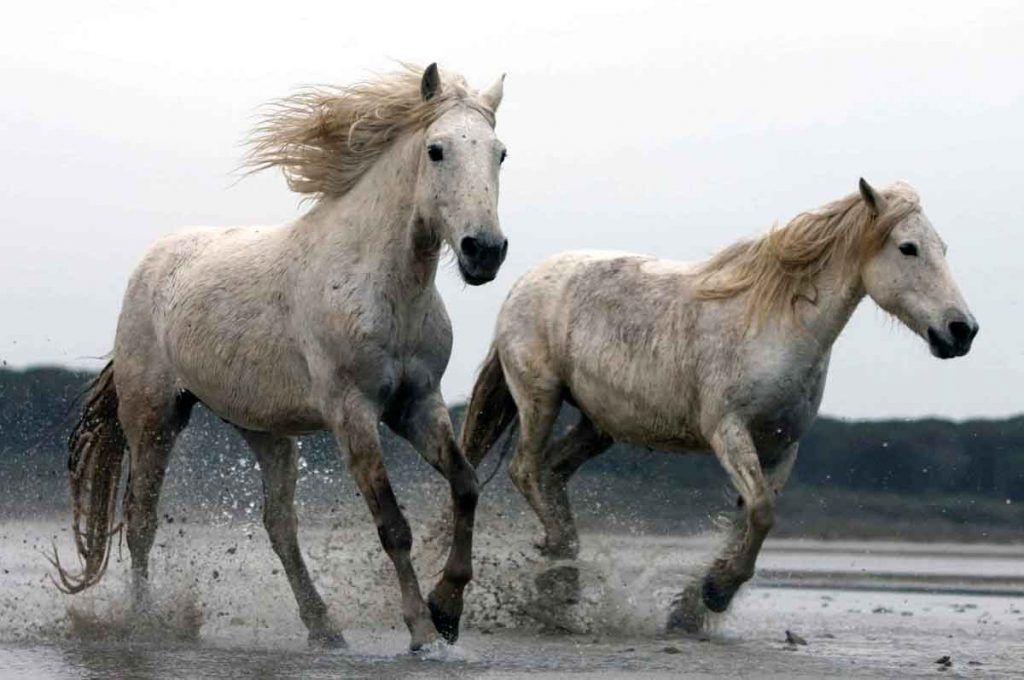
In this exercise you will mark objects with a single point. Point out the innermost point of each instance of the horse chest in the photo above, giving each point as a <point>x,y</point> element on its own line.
<point>388,344</point>
<point>781,404</point>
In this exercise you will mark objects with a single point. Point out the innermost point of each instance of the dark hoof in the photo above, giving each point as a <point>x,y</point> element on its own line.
<point>715,599</point>
<point>688,614</point>
<point>446,624</point>
<point>680,621</point>
<point>559,584</point>
<point>327,640</point>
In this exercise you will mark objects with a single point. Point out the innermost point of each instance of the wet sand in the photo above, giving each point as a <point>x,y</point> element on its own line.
<point>223,609</point>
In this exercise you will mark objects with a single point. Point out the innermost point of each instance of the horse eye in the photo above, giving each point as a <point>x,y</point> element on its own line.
<point>435,152</point>
<point>504,155</point>
<point>908,249</point>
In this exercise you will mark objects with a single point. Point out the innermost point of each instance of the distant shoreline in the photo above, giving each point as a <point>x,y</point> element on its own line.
<point>912,480</point>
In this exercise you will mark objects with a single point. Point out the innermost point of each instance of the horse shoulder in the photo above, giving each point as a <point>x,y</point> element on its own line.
<point>777,389</point>
<point>430,341</point>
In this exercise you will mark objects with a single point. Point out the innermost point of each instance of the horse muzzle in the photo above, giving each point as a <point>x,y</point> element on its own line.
<point>480,258</point>
<point>955,339</point>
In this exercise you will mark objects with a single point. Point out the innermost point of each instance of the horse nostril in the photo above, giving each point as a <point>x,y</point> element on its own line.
<point>483,252</point>
<point>961,331</point>
<point>470,246</point>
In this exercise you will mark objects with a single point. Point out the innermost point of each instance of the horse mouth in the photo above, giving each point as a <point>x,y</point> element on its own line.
<point>475,278</point>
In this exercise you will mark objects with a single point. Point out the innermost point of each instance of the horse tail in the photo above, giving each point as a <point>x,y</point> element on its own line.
<point>97,445</point>
<point>490,411</point>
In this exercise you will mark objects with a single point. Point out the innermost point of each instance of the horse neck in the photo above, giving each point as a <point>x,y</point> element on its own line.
<point>375,222</point>
<point>839,291</point>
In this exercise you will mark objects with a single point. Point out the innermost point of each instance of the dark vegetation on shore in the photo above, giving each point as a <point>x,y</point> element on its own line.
<point>909,479</point>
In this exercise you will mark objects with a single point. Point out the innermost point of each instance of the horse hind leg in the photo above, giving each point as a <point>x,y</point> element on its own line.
<point>278,460</point>
<point>537,414</point>
<point>540,470</point>
<point>152,420</point>
<point>560,461</point>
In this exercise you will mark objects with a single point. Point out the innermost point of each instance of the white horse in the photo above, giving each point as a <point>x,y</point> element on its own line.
<point>330,322</point>
<point>728,355</point>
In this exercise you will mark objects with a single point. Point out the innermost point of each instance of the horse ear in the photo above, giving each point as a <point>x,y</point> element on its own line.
<point>431,83</point>
<point>871,197</point>
<point>491,97</point>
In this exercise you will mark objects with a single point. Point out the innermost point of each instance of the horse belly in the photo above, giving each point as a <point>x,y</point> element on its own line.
<point>260,397</point>
<point>245,375</point>
<point>658,416</point>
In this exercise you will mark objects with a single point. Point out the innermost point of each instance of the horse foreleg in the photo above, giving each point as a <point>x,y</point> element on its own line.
<point>734,566</point>
<point>278,460</point>
<point>357,434</point>
<point>428,428</point>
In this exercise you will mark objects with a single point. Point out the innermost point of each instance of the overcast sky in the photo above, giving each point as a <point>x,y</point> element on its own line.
<point>667,128</point>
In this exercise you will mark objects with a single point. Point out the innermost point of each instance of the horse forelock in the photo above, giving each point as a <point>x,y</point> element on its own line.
<point>783,266</point>
<point>325,138</point>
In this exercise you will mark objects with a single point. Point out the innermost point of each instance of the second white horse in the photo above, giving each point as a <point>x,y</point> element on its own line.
<point>729,355</point>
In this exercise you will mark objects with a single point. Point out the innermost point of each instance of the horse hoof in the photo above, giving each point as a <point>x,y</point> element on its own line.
<point>689,613</point>
<point>327,639</point>
<point>715,599</point>
<point>684,621</point>
<point>447,625</point>
<point>425,644</point>
<point>559,584</point>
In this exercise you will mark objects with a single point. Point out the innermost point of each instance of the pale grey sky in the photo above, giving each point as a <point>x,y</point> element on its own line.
<point>669,128</point>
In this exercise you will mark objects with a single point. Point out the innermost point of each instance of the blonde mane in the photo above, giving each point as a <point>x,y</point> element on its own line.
<point>783,266</point>
<point>325,138</point>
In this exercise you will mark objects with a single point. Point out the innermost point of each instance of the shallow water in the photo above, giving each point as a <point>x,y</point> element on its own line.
<point>222,609</point>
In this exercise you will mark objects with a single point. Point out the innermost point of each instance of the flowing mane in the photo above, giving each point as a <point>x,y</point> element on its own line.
<point>325,138</point>
<point>782,266</point>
